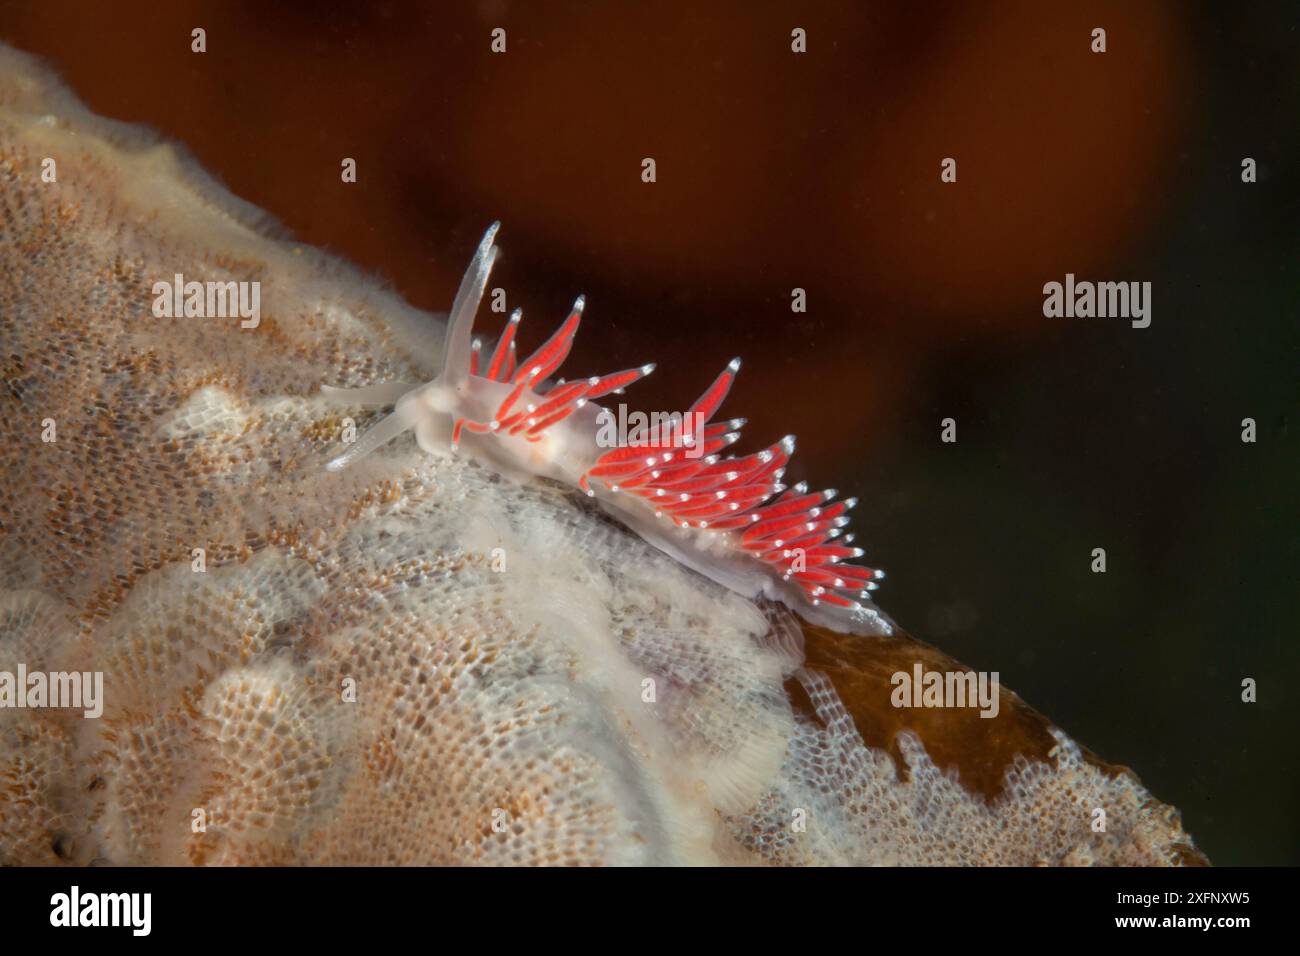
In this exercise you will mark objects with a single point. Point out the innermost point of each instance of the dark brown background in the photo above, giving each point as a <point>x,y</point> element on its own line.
<point>822,171</point>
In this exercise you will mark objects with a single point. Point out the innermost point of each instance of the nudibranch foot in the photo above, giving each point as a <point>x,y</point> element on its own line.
<point>369,396</point>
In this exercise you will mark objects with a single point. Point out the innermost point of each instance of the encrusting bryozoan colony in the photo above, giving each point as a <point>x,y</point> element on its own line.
<point>409,660</point>
<point>729,518</point>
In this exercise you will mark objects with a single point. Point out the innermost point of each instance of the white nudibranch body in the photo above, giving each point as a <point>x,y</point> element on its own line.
<point>729,518</point>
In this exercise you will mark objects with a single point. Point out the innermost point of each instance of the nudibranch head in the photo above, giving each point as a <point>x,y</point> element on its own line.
<point>730,518</point>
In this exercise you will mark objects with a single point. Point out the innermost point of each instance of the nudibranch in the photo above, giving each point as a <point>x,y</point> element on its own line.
<point>729,518</point>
